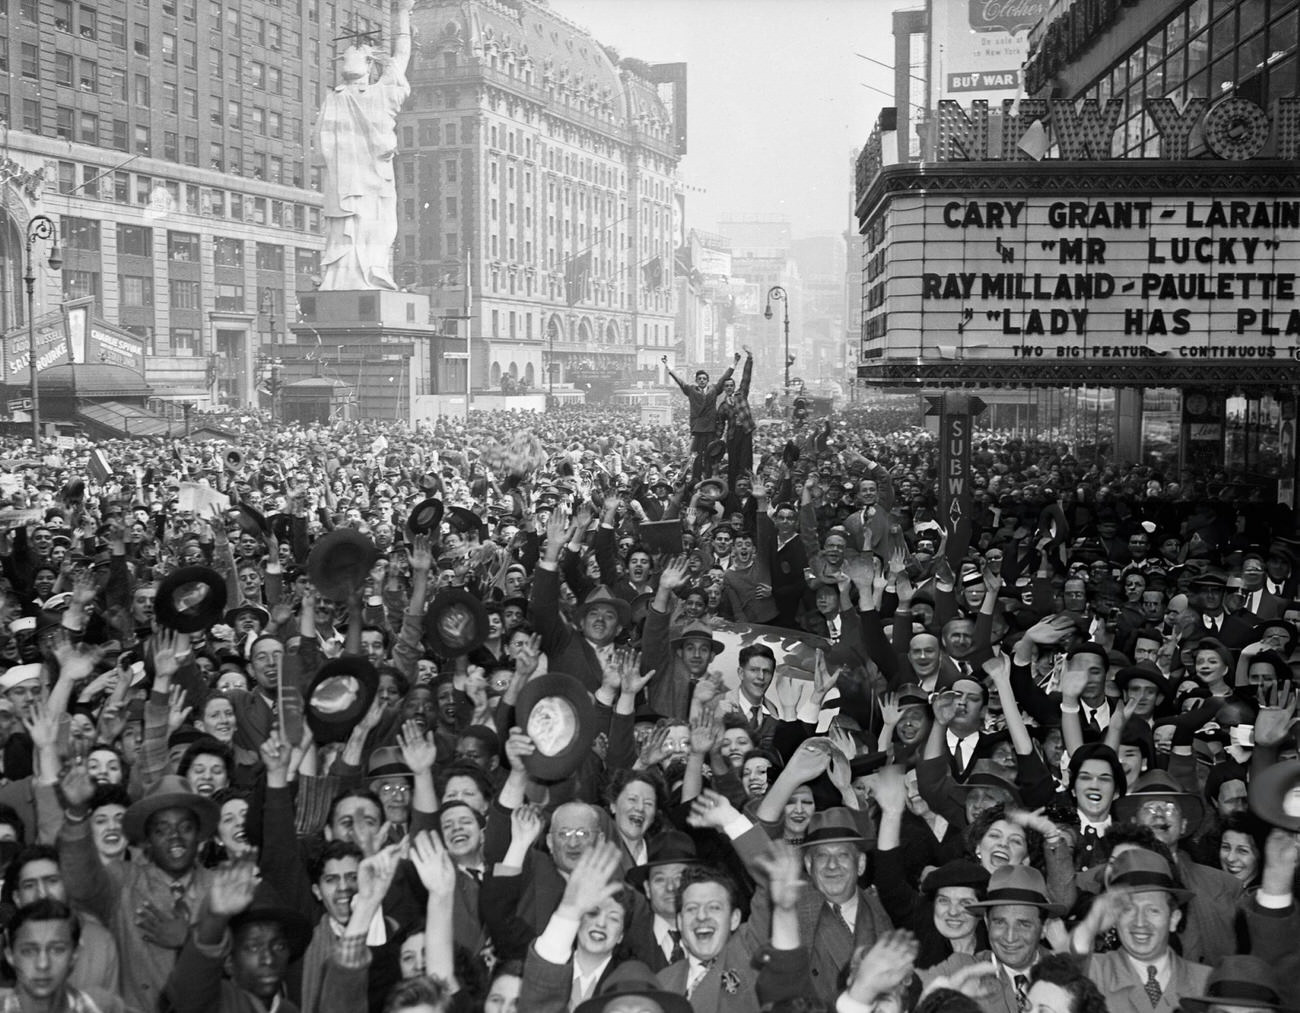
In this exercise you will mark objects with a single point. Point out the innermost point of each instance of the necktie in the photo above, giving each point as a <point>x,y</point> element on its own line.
<point>754,715</point>
<point>475,874</point>
<point>1022,992</point>
<point>957,756</point>
<point>698,974</point>
<point>677,952</point>
<point>1093,725</point>
<point>839,911</point>
<point>965,668</point>
<point>1152,987</point>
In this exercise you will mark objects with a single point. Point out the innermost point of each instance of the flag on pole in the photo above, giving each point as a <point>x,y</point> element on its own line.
<point>575,278</point>
<point>652,273</point>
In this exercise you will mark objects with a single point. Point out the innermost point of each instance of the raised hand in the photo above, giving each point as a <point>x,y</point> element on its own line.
<point>528,656</point>
<point>421,554</point>
<point>436,869</point>
<point>76,663</point>
<point>674,573</point>
<point>706,730</point>
<point>1074,679</point>
<point>655,749</point>
<point>232,889</point>
<point>891,712</point>
<point>708,688</point>
<point>1273,723</point>
<point>594,879</point>
<point>885,966</point>
<point>944,706</point>
<point>177,709</point>
<point>518,745</point>
<point>823,679</point>
<point>43,727</point>
<point>169,650</point>
<point>77,787</point>
<point>375,874</point>
<point>783,867</point>
<point>526,825</point>
<point>889,788</point>
<point>419,750</point>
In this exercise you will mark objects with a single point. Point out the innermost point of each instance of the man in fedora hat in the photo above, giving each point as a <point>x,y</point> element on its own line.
<point>678,663</point>
<point>658,940</point>
<point>835,914</point>
<point>148,904</point>
<point>1015,909</point>
<point>584,651</point>
<point>1143,904</point>
<point>1207,591</point>
<point>1156,801</point>
<point>1240,982</point>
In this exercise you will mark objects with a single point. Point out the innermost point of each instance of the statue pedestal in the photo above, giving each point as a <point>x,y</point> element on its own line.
<point>381,343</point>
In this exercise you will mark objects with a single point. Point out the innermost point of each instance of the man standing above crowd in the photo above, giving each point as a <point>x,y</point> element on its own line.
<point>704,412</point>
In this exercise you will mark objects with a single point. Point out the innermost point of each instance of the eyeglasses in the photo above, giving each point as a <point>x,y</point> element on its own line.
<point>1170,810</point>
<point>575,834</point>
<point>394,789</point>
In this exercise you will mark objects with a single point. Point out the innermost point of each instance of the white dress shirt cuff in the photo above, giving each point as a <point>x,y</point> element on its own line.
<point>1273,901</point>
<point>555,944</point>
<point>737,827</point>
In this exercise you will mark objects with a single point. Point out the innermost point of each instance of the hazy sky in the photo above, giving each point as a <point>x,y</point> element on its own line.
<point>775,97</point>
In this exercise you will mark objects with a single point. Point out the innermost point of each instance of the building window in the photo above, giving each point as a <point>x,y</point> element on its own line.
<point>117,31</point>
<point>215,63</point>
<point>185,295</point>
<point>122,187</point>
<point>141,39</point>
<point>270,257</point>
<point>80,284</point>
<point>191,104</point>
<point>228,252</point>
<point>169,47</point>
<point>88,26</point>
<point>191,55</point>
<point>230,299</point>
<point>185,341</point>
<point>449,133</point>
<point>216,156</point>
<point>135,290</point>
<point>217,202</point>
<point>134,241</point>
<point>119,134</point>
<point>80,233</point>
<point>90,180</point>
<point>191,151</point>
<point>141,139</point>
<point>171,146</point>
<point>89,77</point>
<point>63,119</point>
<point>183,247</point>
<point>449,170</point>
<point>141,92</point>
<point>63,69</point>
<point>31,67</point>
<point>89,128</point>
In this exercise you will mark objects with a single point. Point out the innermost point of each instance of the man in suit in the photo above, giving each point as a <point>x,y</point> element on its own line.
<point>1014,910</point>
<point>656,502</point>
<point>787,559</point>
<point>835,915</point>
<point>1142,904</point>
<point>658,940</point>
<point>580,652</point>
<point>1279,565</point>
<point>1258,599</point>
<point>1157,802</point>
<point>717,974</point>
<point>680,662</point>
<point>868,525</point>
<point>1207,592</point>
<point>703,398</point>
<point>749,698</point>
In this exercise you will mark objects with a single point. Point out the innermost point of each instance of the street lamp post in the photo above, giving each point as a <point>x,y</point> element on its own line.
<point>40,227</point>
<point>777,292</point>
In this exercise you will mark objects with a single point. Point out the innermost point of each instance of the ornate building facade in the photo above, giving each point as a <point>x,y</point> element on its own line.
<point>539,166</point>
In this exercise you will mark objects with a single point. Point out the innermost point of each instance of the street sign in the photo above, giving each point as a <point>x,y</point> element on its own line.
<point>956,413</point>
<point>21,405</point>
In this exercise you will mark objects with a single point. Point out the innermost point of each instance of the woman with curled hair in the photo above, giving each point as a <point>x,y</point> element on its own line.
<point>635,798</point>
<point>1058,985</point>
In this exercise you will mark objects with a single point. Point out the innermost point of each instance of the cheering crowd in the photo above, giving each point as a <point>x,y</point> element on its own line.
<point>365,717</point>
